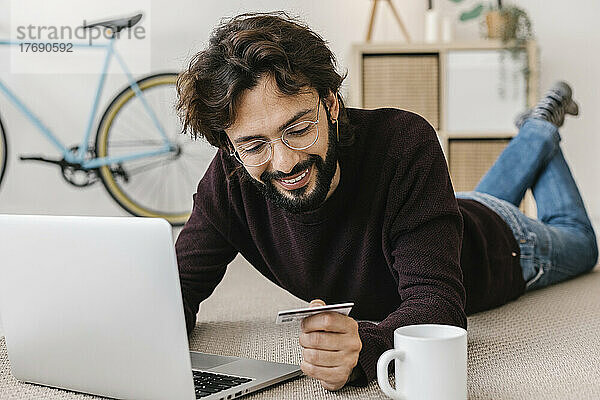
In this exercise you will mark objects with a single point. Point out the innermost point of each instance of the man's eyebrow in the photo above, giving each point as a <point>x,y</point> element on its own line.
<point>298,115</point>
<point>247,138</point>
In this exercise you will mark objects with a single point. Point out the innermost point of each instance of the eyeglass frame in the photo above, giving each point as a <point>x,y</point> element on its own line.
<point>315,123</point>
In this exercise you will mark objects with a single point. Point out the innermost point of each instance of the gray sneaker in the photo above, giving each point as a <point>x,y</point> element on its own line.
<point>557,102</point>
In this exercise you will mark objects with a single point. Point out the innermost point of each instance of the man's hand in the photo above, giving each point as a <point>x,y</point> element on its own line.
<point>330,347</point>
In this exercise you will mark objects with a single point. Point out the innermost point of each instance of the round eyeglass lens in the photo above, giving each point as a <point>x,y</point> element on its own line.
<point>301,136</point>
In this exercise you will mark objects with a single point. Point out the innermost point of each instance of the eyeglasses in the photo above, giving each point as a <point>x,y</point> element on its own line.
<point>299,136</point>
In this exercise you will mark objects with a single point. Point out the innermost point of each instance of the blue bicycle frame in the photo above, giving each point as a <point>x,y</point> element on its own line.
<point>79,157</point>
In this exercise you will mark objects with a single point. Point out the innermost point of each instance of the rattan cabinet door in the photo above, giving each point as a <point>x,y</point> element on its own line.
<point>469,160</point>
<point>406,81</point>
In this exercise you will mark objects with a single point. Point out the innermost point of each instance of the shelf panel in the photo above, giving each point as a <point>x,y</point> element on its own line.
<point>409,82</point>
<point>477,135</point>
<point>394,47</point>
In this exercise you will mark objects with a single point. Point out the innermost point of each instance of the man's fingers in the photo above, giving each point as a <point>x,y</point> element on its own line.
<point>325,341</point>
<point>323,358</point>
<point>332,387</point>
<point>330,347</point>
<point>335,377</point>
<point>329,321</point>
<point>321,340</point>
<point>316,303</point>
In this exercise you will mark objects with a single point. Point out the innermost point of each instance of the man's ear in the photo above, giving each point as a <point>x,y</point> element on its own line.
<point>333,105</point>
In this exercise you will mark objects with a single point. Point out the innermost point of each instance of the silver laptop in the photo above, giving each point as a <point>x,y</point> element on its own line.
<point>93,304</point>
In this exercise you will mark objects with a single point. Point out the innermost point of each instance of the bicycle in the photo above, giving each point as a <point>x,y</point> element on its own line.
<point>141,167</point>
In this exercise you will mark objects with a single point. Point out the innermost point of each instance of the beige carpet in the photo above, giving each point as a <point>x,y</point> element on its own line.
<point>543,346</point>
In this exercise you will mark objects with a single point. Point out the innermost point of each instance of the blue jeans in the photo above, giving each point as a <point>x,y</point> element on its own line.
<point>561,243</point>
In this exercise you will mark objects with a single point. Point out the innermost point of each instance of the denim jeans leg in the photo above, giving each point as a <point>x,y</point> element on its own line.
<point>561,208</point>
<point>518,166</point>
<point>561,243</point>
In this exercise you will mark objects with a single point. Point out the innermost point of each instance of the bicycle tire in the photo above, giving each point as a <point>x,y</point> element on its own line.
<point>114,136</point>
<point>3,151</point>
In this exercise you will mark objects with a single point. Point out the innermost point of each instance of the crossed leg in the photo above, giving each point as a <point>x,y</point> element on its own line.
<point>559,244</point>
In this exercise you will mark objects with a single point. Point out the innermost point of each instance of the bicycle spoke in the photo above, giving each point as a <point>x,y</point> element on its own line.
<point>187,171</point>
<point>156,187</point>
<point>137,120</point>
<point>183,166</point>
<point>136,126</point>
<point>146,167</point>
<point>160,184</point>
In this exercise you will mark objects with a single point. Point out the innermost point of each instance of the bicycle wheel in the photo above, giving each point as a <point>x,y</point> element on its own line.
<point>156,186</point>
<point>3,151</point>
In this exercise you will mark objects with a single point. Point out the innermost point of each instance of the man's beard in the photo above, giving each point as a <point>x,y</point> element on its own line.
<point>300,201</point>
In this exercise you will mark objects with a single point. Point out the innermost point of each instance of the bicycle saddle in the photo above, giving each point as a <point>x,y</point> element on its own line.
<point>118,24</point>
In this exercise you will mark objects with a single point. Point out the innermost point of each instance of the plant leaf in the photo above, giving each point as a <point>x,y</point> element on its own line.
<point>474,13</point>
<point>456,1</point>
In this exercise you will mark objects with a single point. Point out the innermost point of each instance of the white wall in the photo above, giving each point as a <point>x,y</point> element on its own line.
<point>568,34</point>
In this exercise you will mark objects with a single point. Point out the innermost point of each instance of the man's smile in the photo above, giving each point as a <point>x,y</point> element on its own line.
<point>296,181</point>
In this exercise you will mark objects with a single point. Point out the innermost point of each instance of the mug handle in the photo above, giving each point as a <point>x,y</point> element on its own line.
<point>382,373</point>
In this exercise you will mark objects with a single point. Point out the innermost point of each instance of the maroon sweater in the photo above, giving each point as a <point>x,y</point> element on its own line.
<point>388,239</point>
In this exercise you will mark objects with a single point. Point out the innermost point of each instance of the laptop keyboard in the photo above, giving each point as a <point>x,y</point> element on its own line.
<point>207,383</point>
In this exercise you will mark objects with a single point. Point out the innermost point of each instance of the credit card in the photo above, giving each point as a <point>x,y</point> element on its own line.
<point>298,314</point>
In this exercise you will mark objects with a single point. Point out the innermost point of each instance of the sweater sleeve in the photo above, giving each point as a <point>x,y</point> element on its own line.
<point>203,254</point>
<point>422,241</point>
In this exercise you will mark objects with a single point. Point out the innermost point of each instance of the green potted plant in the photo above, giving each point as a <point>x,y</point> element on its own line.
<point>508,23</point>
<point>504,22</point>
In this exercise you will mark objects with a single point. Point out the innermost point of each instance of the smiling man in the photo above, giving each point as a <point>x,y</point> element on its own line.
<point>307,169</point>
<point>357,205</point>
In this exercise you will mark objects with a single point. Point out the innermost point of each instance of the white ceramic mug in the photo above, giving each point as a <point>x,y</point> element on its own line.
<point>430,363</point>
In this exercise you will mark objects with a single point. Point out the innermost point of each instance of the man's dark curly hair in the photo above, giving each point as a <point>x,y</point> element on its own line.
<point>241,51</point>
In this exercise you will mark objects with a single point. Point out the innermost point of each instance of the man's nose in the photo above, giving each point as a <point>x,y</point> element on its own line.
<point>284,159</point>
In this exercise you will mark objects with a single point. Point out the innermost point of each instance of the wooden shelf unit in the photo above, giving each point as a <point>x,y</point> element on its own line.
<point>415,77</point>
